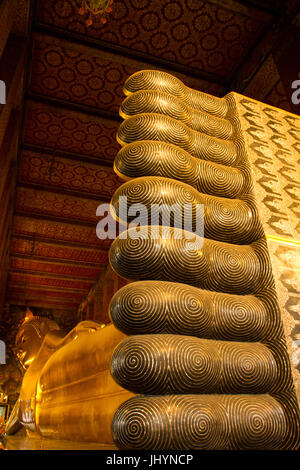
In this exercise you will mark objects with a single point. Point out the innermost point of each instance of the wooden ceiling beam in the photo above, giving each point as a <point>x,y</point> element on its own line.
<point>236,84</point>
<point>51,275</point>
<point>29,286</point>
<point>64,154</point>
<point>21,124</point>
<point>43,304</point>
<point>60,242</point>
<point>67,192</point>
<point>284,15</point>
<point>31,298</point>
<point>242,6</point>
<point>71,105</point>
<point>29,290</point>
<point>52,218</point>
<point>59,261</point>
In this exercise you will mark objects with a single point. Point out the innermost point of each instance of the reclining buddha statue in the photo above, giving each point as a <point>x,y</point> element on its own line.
<point>67,390</point>
<point>195,356</point>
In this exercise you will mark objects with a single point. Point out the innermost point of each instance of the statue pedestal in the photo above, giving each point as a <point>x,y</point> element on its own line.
<point>21,442</point>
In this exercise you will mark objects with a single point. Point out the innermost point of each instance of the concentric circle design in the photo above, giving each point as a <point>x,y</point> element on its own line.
<point>151,158</point>
<point>150,101</point>
<point>140,424</point>
<point>164,82</point>
<point>195,422</point>
<point>168,254</point>
<point>167,364</point>
<point>158,127</point>
<point>169,307</point>
<point>169,202</point>
<point>258,422</point>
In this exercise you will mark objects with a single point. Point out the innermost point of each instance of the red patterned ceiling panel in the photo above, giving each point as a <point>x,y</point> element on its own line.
<point>198,34</point>
<point>60,252</point>
<point>34,201</point>
<point>70,131</point>
<point>36,280</point>
<point>68,174</point>
<point>58,231</point>
<point>59,269</point>
<point>78,74</point>
<point>71,76</point>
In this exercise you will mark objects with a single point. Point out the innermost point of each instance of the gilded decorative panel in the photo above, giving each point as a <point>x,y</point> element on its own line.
<point>272,137</point>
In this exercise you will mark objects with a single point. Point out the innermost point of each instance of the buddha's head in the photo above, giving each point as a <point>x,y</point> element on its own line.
<point>30,336</point>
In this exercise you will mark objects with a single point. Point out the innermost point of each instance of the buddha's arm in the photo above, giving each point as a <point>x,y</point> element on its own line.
<point>13,424</point>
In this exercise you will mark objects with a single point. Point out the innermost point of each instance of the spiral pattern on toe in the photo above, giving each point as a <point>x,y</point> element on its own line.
<point>289,404</point>
<point>162,81</point>
<point>232,267</point>
<point>212,149</point>
<point>226,220</point>
<point>150,101</point>
<point>237,318</point>
<point>169,307</point>
<point>200,422</point>
<point>284,382</point>
<point>158,127</point>
<point>151,158</point>
<point>264,426</point>
<point>163,364</point>
<point>162,253</point>
<point>247,367</point>
<point>137,424</point>
<point>197,422</point>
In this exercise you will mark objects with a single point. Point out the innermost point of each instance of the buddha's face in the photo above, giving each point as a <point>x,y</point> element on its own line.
<point>28,343</point>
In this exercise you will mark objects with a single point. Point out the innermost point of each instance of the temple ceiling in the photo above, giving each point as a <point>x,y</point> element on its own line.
<point>75,78</point>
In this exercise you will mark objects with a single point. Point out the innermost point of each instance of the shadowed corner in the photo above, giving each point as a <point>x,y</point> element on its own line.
<point>2,352</point>
<point>2,92</point>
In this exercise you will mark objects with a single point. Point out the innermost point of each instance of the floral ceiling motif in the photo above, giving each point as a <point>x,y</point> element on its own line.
<point>71,118</point>
<point>198,34</point>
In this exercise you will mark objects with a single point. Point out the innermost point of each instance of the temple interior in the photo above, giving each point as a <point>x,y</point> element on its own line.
<point>162,102</point>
